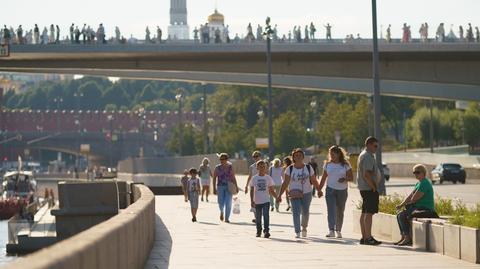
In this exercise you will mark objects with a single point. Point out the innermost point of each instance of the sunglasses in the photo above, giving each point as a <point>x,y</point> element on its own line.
<point>417,172</point>
<point>223,159</point>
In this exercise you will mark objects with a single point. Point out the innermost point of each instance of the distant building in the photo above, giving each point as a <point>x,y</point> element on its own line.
<point>178,28</point>
<point>217,21</point>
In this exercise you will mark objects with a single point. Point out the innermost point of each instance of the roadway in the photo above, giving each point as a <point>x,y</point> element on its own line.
<point>210,243</point>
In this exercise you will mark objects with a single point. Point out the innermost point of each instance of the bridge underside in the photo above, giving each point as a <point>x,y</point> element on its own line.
<point>440,71</point>
<point>413,89</point>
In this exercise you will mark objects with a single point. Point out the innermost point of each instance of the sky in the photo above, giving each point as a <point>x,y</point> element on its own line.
<point>346,16</point>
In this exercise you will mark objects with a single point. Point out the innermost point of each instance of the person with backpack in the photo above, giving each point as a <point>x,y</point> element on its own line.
<point>299,178</point>
<point>224,186</point>
<point>276,173</point>
<point>337,172</point>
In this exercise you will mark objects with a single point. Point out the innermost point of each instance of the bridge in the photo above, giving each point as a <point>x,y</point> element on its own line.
<point>432,70</point>
<point>119,134</point>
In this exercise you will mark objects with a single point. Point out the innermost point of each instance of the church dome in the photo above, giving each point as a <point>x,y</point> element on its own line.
<point>216,18</point>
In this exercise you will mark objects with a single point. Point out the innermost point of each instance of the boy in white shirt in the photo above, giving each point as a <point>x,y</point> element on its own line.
<point>261,186</point>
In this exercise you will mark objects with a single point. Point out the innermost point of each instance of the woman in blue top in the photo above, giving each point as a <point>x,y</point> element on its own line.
<point>419,203</point>
<point>222,175</point>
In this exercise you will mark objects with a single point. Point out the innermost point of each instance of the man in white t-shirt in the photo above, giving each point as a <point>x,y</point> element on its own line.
<point>261,186</point>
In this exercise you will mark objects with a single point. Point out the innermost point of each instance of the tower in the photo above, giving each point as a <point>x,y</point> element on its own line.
<point>178,28</point>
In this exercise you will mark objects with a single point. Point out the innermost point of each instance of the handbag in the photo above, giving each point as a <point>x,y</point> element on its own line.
<point>232,188</point>
<point>296,193</point>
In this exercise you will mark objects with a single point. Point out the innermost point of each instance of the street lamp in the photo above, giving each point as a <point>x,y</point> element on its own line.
<point>57,101</point>
<point>268,34</point>
<point>313,105</point>
<point>142,116</point>
<point>179,98</point>
<point>377,98</point>
<point>205,126</point>
<point>110,123</point>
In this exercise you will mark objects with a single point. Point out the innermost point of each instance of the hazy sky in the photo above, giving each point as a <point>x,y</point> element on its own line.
<point>346,16</point>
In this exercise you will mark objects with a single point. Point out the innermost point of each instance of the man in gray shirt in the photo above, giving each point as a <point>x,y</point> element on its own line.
<point>367,184</point>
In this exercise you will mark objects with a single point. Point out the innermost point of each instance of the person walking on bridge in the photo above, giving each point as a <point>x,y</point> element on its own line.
<point>224,186</point>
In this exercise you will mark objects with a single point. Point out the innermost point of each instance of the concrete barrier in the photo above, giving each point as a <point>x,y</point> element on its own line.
<point>123,241</point>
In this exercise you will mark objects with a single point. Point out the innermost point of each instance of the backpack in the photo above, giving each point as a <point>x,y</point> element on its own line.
<point>308,169</point>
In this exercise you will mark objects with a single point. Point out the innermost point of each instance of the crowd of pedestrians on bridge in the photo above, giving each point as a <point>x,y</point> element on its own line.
<point>85,34</point>
<point>267,182</point>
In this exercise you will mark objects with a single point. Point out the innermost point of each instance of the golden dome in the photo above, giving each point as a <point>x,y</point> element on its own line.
<point>216,18</point>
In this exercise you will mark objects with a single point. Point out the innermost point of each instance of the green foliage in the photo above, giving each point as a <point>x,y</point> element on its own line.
<point>388,203</point>
<point>288,133</point>
<point>469,217</point>
<point>190,138</point>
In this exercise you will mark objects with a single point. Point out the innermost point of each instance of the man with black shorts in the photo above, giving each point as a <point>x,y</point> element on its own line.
<point>367,184</point>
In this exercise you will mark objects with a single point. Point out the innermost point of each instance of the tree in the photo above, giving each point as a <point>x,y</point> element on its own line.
<point>116,95</point>
<point>191,140</point>
<point>147,95</point>
<point>91,95</point>
<point>37,99</point>
<point>288,133</point>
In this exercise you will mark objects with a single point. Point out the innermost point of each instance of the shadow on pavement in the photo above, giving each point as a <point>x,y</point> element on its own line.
<point>162,247</point>
<point>297,241</point>
<point>207,223</point>
<point>343,241</point>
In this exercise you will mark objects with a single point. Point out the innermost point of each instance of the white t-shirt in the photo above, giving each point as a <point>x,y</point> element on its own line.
<point>260,186</point>
<point>300,178</point>
<point>277,175</point>
<point>335,171</point>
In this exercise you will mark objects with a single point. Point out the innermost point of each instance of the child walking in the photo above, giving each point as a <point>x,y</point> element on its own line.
<point>261,186</point>
<point>193,188</point>
<point>184,182</point>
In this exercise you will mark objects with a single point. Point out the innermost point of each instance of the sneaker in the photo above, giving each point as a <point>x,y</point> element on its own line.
<point>194,219</point>
<point>258,235</point>
<point>207,200</point>
<point>266,235</point>
<point>202,199</point>
<point>339,234</point>
<point>288,208</point>
<point>254,220</point>
<point>330,234</point>
<point>297,235</point>
<point>371,242</point>
<point>362,241</point>
<point>221,216</point>
<point>278,210</point>
<point>304,233</point>
<point>271,209</point>
<point>227,221</point>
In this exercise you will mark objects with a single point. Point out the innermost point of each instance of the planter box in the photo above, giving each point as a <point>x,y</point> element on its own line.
<point>451,236</point>
<point>470,244</point>
<point>436,238</point>
<point>420,235</point>
<point>384,226</point>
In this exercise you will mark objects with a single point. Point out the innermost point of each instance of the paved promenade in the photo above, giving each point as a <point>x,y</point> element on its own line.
<point>210,243</point>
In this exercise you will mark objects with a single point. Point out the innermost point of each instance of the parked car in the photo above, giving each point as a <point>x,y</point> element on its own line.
<point>453,172</point>
<point>386,172</point>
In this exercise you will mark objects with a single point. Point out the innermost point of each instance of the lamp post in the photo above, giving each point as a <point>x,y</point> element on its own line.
<point>110,124</point>
<point>377,98</point>
<point>57,101</point>
<point>179,98</point>
<point>268,34</point>
<point>313,105</point>
<point>431,125</point>
<point>205,126</point>
<point>77,124</point>
<point>142,116</point>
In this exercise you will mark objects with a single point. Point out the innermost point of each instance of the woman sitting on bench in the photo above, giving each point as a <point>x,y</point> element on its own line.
<point>419,204</point>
